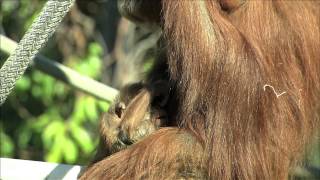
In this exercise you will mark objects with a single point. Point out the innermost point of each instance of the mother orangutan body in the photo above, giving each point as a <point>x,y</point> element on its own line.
<point>246,78</point>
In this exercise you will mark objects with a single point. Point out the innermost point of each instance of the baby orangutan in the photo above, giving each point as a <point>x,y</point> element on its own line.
<point>137,112</point>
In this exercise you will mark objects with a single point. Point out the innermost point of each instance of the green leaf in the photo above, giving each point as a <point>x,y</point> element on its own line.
<point>23,84</point>
<point>91,109</point>
<point>37,77</point>
<point>41,122</point>
<point>103,105</point>
<point>55,152</point>
<point>90,65</point>
<point>82,137</point>
<point>7,146</point>
<point>24,137</point>
<point>48,89</point>
<point>78,113</point>
<point>70,151</point>
<point>94,62</point>
<point>84,68</point>
<point>59,89</point>
<point>36,91</point>
<point>95,49</point>
<point>50,132</point>
<point>8,6</point>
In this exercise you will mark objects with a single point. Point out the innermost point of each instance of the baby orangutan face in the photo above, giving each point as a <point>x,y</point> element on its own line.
<point>137,112</point>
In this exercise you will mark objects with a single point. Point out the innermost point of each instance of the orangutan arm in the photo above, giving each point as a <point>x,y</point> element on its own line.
<point>168,153</point>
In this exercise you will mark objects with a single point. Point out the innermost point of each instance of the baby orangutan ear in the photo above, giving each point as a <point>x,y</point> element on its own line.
<point>230,5</point>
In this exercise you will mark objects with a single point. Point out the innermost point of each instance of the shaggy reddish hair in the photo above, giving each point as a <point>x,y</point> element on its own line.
<point>248,86</point>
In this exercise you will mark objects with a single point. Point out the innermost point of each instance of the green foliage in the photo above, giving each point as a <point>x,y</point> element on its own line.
<point>62,117</point>
<point>7,145</point>
<point>8,7</point>
<point>90,65</point>
<point>44,119</point>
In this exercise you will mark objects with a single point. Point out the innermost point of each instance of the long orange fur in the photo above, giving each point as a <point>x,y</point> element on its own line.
<point>248,85</point>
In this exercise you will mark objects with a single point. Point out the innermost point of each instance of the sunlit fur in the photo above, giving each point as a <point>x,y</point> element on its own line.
<point>248,87</point>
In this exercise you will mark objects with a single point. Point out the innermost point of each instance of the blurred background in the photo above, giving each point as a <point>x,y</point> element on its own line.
<point>47,120</point>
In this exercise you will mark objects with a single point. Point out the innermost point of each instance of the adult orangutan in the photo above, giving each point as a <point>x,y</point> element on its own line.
<point>246,80</point>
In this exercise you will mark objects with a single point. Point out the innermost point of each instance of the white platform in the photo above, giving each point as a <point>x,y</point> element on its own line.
<point>16,169</point>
